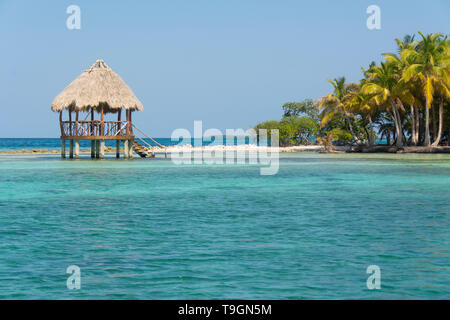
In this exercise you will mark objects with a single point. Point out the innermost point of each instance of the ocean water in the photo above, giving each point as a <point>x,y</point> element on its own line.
<point>150,229</point>
<point>10,144</point>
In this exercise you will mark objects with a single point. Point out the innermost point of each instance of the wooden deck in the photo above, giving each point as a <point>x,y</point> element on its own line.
<point>96,130</point>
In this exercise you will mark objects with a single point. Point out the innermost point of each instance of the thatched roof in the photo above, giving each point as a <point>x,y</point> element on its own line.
<point>97,86</point>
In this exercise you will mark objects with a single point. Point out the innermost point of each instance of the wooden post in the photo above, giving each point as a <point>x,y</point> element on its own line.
<point>101,123</point>
<point>118,141</point>
<point>102,149</point>
<point>97,149</point>
<point>61,124</point>
<point>131,125</point>
<point>77,149</point>
<point>71,149</point>
<point>125,149</point>
<point>118,149</point>
<point>92,121</point>
<point>76,123</point>
<point>70,124</point>
<point>77,142</point>
<point>92,148</point>
<point>63,148</point>
<point>128,124</point>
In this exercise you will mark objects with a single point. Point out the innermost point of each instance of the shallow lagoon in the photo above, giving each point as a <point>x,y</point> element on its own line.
<point>149,229</point>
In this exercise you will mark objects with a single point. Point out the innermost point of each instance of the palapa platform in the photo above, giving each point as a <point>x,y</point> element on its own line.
<point>98,90</point>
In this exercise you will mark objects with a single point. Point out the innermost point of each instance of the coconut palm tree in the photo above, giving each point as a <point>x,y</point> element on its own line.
<point>336,103</point>
<point>429,67</point>
<point>407,43</point>
<point>363,105</point>
<point>408,90</point>
<point>383,86</point>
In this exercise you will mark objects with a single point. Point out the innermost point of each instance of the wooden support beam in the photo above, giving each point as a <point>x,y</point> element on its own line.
<point>101,123</point>
<point>92,149</point>
<point>128,123</point>
<point>119,115</point>
<point>71,149</point>
<point>92,119</point>
<point>63,148</point>
<point>76,123</point>
<point>97,149</point>
<point>131,124</point>
<point>60,123</point>
<point>70,124</point>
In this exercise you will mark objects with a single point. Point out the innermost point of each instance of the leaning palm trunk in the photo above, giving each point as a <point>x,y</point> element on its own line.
<point>416,138</point>
<point>413,126</point>
<point>350,127</point>
<point>397,122</point>
<point>433,122</point>
<point>441,116</point>
<point>371,137</point>
<point>427,141</point>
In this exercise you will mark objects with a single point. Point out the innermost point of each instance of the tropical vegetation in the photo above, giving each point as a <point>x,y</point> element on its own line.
<point>403,100</point>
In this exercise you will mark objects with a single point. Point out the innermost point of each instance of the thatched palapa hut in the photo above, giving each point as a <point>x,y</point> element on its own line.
<point>97,90</point>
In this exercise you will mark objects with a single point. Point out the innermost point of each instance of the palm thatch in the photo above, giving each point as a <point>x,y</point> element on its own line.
<point>95,87</point>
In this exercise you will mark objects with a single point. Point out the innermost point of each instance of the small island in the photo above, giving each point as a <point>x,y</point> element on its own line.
<point>400,105</point>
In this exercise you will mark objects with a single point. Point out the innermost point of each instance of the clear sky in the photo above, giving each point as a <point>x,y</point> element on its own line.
<point>230,63</point>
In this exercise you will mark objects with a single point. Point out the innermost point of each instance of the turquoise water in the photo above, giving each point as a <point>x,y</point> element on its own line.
<point>8,144</point>
<point>150,229</point>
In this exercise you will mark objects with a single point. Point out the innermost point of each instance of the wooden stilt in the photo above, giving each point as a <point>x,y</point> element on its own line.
<point>102,149</point>
<point>71,149</point>
<point>63,148</point>
<point>92,149</point>
<point>125,149</point>
<point>101,123</point>
<point>77,149</point>
<point>119,115</point>
<point>97,149</point>
<point>70,124</point>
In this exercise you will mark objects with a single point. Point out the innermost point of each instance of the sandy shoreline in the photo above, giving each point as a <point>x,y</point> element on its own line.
<point>186,148</point>
<point>252,148</point>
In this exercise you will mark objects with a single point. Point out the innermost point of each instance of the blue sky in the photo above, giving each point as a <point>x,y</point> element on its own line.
<point>229,63</point>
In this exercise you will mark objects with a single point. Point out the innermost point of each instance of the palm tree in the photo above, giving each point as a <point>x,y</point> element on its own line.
<point>408,89</point>
<point>362,104</point>
<point>407,43</point>
<point>430,67</point>
<point>383,86</point>
<point>336,103</point>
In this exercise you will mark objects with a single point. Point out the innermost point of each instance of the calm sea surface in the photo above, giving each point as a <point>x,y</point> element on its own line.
<point>8,144</point>
<point>150,229</point>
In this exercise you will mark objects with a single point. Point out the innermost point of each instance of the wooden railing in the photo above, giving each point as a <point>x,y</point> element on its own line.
<point>95,128</point>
